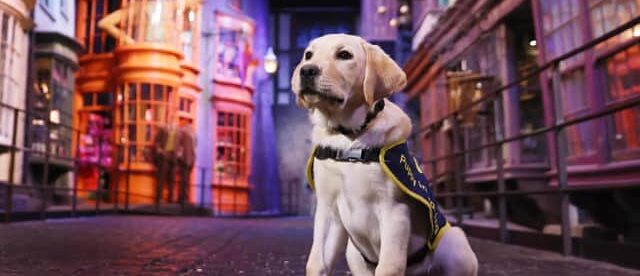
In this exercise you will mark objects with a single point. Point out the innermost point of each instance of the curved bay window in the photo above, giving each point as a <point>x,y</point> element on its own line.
<point>53,101</point>
<point>142,108</point>
<point>152,21</point>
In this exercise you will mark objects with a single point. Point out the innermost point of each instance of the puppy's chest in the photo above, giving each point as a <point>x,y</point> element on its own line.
<point>353,182</point>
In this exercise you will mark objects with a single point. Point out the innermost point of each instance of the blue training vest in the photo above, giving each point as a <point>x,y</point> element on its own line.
<point>405,172</point>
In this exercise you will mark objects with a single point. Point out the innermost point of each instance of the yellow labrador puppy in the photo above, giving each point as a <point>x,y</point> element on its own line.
<point>357,167</point>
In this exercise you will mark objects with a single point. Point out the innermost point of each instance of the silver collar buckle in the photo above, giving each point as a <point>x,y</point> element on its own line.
<point>350,155</point>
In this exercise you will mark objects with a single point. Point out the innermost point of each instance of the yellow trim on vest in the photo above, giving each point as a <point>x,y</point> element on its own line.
<point>432,244</point>
<point>439,236</point>
<point>309,169</point>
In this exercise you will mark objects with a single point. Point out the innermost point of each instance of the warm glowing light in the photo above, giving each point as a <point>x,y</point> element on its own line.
<point>382,9</point>
<point>44,88</point>
<point>157,13</point>
<point>404,8</point>
<point>192,16</point>
<point>393,22</point>
<point>636,31</point>
<point>54,116</point>
<point>270,61</point>
<point>246,28</point>
<point>533,43</point>
<point>147,115</point>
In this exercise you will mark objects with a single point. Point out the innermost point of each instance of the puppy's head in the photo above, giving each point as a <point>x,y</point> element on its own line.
<point>339,71</point>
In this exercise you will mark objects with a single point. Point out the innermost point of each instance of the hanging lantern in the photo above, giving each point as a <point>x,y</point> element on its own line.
<point>270,61</point>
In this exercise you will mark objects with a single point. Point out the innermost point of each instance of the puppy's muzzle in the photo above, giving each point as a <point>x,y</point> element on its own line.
<point>308,76</point>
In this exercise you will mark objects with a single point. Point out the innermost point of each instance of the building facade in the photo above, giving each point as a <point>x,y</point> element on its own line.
<point>474,47</point>
<point>50,100</point>
<point>15,24</point>
<point>136,77</point>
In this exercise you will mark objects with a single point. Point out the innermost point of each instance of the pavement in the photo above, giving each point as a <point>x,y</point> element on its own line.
<point>157,245</point>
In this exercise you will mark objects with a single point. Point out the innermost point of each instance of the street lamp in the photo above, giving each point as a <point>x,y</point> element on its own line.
<point>270,61</point>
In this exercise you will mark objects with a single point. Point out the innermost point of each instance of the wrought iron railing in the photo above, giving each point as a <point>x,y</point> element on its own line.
<point>563,190</point>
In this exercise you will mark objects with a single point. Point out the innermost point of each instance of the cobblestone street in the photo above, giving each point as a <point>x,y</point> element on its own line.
<point>145,245</point>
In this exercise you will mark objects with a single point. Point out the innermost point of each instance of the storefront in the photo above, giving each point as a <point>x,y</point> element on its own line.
<point>139,77</point>
<point>232,102</point>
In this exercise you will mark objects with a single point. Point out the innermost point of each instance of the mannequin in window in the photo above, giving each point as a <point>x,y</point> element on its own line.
<point>185,158</point>
<point>163,151</point>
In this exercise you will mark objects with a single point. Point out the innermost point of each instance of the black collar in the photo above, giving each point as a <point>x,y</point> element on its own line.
<point>354,133</point>
<point>365,155</point>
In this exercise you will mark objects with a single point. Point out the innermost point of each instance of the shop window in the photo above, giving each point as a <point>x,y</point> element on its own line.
<point>623,81</point>
<point>185,105</point>
<point>104,98</point>
<point>469,80</point>
<point>562,29</point>
<point>189,33</point>
<point>95,39</point>
<point>8,79</point>
<point>573,102</point>
<point>152,21</point>
<point>145,108</point>
<point>563,32</point>
<point>53,102</point>
<point>232,143</point>
<point>607,15</point>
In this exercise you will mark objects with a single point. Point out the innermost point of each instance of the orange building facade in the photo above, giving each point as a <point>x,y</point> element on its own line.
<point>135,76</point>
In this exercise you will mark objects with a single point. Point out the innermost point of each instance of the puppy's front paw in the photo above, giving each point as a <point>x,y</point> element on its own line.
<point>316,269</point>
<point>390,270</point>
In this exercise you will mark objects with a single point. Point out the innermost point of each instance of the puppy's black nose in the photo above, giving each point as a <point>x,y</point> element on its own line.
<point>309,71</point>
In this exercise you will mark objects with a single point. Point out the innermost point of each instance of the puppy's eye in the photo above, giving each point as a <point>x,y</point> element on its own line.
<point>344,55</point>
<point>308,55</point>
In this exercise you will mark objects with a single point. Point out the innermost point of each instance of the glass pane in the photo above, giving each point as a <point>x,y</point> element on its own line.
<point>132,112</point>
<point>147,133</point>
<point>87,99</point>
<point>132,153</point>
<point>145,93</point>
<point>132,91</point>
<point>105,98</point>
<point>157,92</point>
<point>169,94</point>
<point>221,118</point>
<point>132,133</point>
<point>145,88</point>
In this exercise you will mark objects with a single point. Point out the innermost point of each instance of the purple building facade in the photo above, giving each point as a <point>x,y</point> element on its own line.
<point>465,50</point>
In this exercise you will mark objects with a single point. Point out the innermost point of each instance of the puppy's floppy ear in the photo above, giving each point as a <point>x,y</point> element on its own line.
<point>382,75</point>
<point>295,86</point>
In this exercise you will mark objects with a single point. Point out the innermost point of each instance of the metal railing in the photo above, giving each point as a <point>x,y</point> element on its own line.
<point>563,190</point>
<point>37,196</point>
